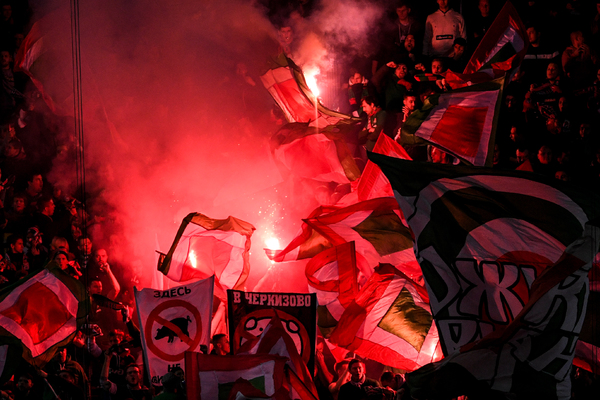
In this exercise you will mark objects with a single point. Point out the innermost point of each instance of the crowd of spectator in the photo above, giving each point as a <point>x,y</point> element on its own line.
<point>548,124</point>
<point>550,109</point>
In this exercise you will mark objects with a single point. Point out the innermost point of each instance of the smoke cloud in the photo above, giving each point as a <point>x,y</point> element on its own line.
<point>173,125</point>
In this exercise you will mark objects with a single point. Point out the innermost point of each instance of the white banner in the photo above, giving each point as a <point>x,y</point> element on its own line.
<point>172,322</point>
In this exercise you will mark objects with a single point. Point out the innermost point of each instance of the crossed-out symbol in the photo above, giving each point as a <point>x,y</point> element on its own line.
<point>155,317</point>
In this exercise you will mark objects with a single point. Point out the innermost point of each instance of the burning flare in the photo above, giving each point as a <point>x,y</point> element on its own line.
<point>310,75</point>
<point>193,261</point>
<point>272,243</point>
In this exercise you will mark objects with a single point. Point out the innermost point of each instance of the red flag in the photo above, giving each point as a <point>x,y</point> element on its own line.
<point>377,229</point>
<point>42,313</point>
<point>318,154</point>
<point>204,247</point>
<point>209,377</point>
<point>503,47</point>
<point>306,244</point>
<point>390,322</point>
<point>286,84</point>
<point>373,182</point>
<point>31,50</point>
<point>275,340</point>
<point>475,109</point>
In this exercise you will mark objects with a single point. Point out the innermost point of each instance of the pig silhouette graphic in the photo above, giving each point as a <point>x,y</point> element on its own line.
<point>181,323</point>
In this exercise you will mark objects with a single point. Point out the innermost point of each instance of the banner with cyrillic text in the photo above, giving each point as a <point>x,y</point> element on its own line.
<point>251,312</point>
<point>172,322</point>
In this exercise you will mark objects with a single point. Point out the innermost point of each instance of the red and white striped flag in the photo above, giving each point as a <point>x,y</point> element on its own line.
<point>204,247</point>
<point>503,47</point>
<point>42,313</point>
<point>390,322</point>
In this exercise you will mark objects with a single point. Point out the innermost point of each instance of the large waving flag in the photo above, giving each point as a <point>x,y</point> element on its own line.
<point>286,84</point>
<point>390,322</point>
<point>372,182</point>
<point>41,313</point>
<point>276,341</point>
<point>307,243</point>
<point>483,237</point>
<point>333,276</point>
<point>461,122</point>
<point>204,247</point>
<point>531,356</point>
<point>316,153</point>
<point>587,353</point>
<point>36,58</point>
<point>211,377</point>
<point>503,47</point>
<point>377,229</point>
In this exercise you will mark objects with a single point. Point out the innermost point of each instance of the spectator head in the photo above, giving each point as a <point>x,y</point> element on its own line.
<point>564,158</point>
<point>437,66</point>
<point>33,236</point>
<point>553,71</point>
<point>577,39</point>
<point>387,379</point>
<point>115,337</point>
<point>443,4</point>
<point>19,37</point>
<point>171,382</point>
<point>355,77</point>
<point>6,11</point>
<point>562,175</point>
<point>95,286</point>
<point>370,105</point>
<point>515,134</point>
<point>459,47</point>
<point>357,370</point>
<point>46,206</point>
<point>6,59</point>
<point>522,155</point>
<point>59,243</point>
<point>220,344</point>
<point>285,35</point>
<point>61,259</point>
<point>545,155</point>
<point>410,42</point>
<point>584,130</point>
<point>402,10</point>
<point>101,257</point>
<point>13,148</point>
<point>24,382</point>
<point>552,125</point>
<point>35,183</point>
<point>15,243</point>
<point>178,371</point>
<point>84,245</point>
<point>401,71</point>
<point>533,34</point>
<point>484,8</point>
<point>410,101</point>
<point>563,104</point>
<point>439,156</point>
<point>132,375</point>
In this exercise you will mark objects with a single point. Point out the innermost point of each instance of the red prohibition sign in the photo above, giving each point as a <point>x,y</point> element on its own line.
<point>155,317</point>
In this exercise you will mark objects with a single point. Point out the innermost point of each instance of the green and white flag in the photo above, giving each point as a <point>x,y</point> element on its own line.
<point>483,239</point>
<point>462,122</point>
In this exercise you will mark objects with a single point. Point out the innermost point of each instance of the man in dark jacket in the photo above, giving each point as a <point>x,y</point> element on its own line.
<point>359,385</point>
